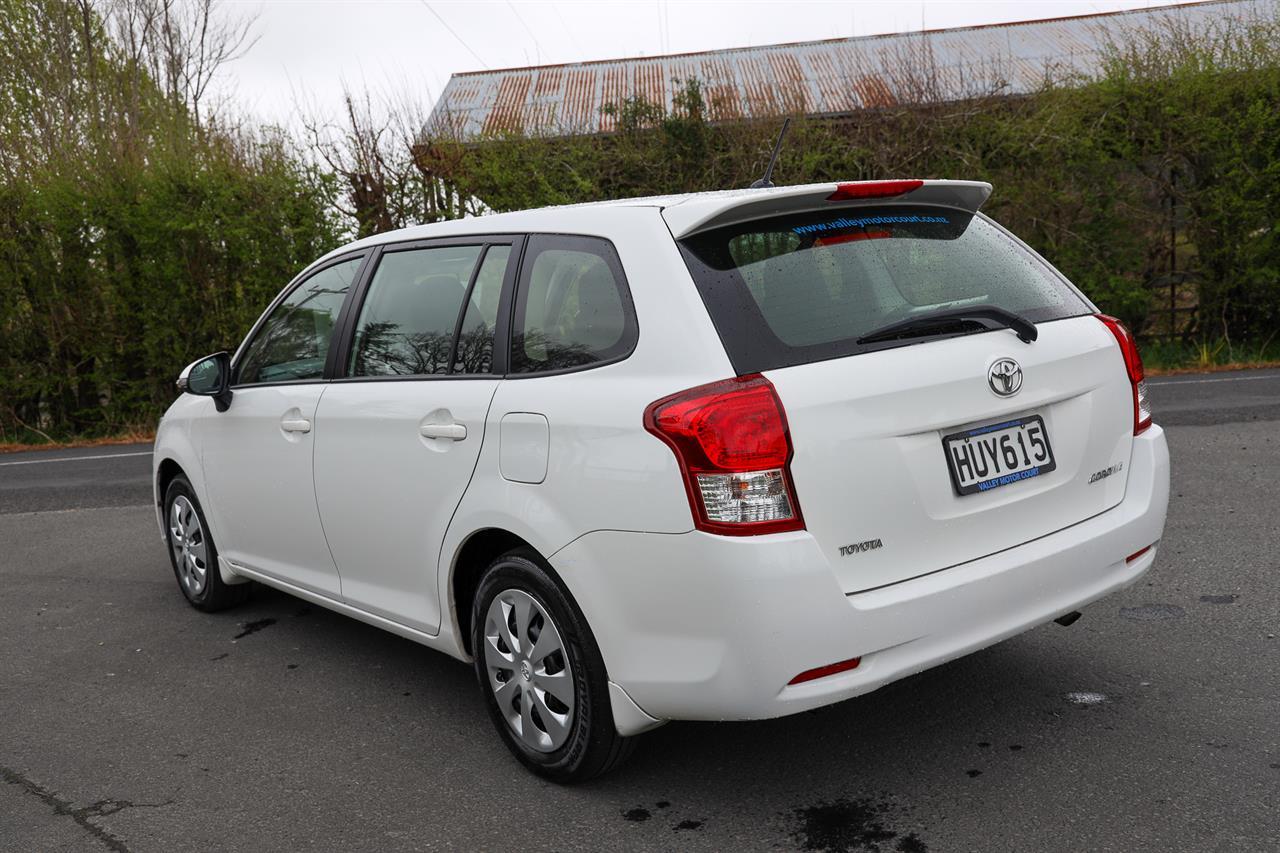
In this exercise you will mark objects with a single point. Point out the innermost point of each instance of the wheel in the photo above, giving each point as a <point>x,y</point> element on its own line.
<point>193,554</point>
<point>541,673</point>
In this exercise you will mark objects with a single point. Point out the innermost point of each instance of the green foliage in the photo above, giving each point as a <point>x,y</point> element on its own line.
<point>132,239</point>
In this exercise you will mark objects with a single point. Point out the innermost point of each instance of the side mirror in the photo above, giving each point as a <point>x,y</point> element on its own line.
<point>209,377</point>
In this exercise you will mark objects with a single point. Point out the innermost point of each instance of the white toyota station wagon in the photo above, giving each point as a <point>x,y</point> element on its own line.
<point>719,456</point>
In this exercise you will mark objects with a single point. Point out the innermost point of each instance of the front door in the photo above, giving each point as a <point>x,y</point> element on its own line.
<point>404,422</point>
<point>257,455</point>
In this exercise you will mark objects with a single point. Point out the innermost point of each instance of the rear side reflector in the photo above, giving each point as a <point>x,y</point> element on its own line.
<point>824,671</point>
<point>1133,366</point>
<point>873,189</point>
<point>1136,554</point>
<point>734,449</point>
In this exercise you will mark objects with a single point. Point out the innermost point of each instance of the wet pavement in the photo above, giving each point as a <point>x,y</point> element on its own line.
<point>128,721</point>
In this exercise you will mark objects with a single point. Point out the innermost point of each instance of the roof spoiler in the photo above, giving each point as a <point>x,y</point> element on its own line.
<point>704,211</point>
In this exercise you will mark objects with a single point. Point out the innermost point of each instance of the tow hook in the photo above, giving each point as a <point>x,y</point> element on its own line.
<point>1068,619</point>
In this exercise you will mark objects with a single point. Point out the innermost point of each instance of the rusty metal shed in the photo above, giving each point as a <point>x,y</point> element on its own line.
<point>817,78</point>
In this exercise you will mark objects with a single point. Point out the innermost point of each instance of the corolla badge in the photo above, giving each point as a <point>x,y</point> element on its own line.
<point>1005,377</point>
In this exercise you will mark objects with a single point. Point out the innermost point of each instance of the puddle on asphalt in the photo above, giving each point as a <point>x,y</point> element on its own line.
<point>846,826</point>
<point>254,627</point>
<point>640,814</point>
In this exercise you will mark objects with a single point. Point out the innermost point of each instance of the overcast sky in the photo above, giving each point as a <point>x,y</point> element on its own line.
<point>307,49</point>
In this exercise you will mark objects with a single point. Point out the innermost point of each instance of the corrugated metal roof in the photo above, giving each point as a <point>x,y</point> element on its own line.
<point>813,78</point>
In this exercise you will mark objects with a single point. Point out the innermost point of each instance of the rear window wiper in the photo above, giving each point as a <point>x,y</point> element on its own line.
<point>988,316</point>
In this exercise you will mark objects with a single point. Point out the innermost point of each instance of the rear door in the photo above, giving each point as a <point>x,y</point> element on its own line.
<point>405,417</point>
<point>942,443</point>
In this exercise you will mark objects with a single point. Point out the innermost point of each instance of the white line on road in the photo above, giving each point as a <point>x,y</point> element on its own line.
<point>1172,381</point>
<point>77,458</point>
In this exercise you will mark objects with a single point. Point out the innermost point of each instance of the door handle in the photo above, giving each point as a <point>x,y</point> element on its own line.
<point>295,425</point>
<point>453,432</point>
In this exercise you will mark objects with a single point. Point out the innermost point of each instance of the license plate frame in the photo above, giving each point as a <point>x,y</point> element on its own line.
<point>1013,427</point>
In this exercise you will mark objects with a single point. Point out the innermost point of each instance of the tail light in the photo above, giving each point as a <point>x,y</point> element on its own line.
<point>1132,364</point>
<point>734,449</point>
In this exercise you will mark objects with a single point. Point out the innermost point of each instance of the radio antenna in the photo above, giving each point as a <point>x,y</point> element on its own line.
<point>767,180</point>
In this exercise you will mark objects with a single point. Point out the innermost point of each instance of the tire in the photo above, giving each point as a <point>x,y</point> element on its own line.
<point>563,746</point>
<point>192,553</point>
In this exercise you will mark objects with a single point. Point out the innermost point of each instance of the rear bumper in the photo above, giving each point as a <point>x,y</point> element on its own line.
<point>700,627</point>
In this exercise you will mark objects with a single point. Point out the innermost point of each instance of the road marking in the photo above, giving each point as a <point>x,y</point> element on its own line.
<point>24,512</point>
<point>77,458</point>
<point>1202,381</point>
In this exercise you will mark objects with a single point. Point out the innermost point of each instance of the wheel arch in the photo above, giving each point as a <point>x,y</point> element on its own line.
<point>166,472</point>
<point>474,556</point>
<point>476,553</point>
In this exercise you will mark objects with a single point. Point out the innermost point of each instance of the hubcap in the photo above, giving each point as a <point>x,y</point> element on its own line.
<point>187,539</point>
<point>528,670</point>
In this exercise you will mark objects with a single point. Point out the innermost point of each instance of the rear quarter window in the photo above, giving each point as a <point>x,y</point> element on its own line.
<point>804,287</point>
<point>573,306</point>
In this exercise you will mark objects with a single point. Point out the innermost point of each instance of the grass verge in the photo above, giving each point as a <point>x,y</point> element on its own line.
<point>1162,357</point>
<point>130,437</point>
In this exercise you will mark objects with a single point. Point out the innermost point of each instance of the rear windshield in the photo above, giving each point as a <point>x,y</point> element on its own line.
<point>804,287</point>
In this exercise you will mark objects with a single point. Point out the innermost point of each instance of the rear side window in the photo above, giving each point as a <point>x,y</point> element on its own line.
<point>410,318</point>
<point>293,342</point>
<point>573,309</point>
<point>804,287</point>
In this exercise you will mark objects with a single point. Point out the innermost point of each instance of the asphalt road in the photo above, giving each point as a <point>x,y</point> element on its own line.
<point>128,721</point>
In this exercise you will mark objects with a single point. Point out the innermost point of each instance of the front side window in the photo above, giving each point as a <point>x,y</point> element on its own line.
<point>410,317</point>
<point>293,343</point>
<point>573,309</point>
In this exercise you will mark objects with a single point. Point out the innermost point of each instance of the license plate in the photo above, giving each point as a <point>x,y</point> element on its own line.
<point>989,457</point>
